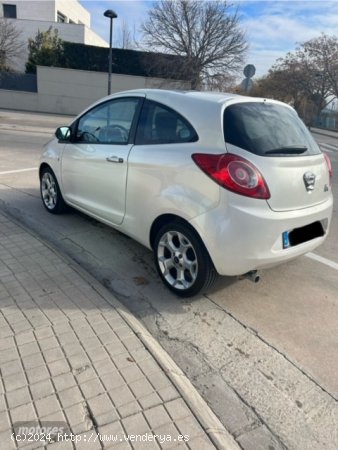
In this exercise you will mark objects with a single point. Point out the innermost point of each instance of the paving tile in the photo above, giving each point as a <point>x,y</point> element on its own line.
<point>121,396</point>
<point>112,380</point>
<point>100,404</point>
<point>32,361</point>
<point>141,388</point>
<point>14,382</point>
<point>23,413</point>
<point>85,373</point>
<point>168,393</point>
<point>202,443</point>
<point>92,388</point>
<point>76,414</point>
<point>59,367</point>
<point>37,374</point>
<point>157,416</point>
<point>131,373</point>
<point>48,343</point>
<point>135,424</point>
<point>4,422</point>
<point>29,349</point>
<point>70,397</point>
<point>8,355</point>
<point>88,440</point>
<point>11,368</point>
<point>159,380</point>
<point>53,354</point>
<point>43,334</point>
<point>112,434</point>
<point>3,405</point>
<point>169,436</point>
<point>47,405</point>
<point>189,426</point>
<point>177,409</point>
<point>41,389</point>
<point>18,397</point>
<point>150,400</point>
<point>129,409</point>
<point>7,343</point>
<point>64,381</point>
<point>104,366</point>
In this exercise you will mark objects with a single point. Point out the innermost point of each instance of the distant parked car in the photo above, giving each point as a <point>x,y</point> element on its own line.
<point>211,182</point>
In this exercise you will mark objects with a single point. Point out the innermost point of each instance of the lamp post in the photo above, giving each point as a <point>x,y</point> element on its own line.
<point>111,15</point>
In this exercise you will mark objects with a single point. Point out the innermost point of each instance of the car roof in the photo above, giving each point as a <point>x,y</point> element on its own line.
<point>215,97</point>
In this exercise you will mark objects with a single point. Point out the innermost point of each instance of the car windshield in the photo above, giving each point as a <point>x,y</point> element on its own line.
<point>267,129</point>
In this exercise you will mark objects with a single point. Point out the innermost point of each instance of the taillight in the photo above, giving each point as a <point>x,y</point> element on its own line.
<point>233,173</point>
<point>329,166</point>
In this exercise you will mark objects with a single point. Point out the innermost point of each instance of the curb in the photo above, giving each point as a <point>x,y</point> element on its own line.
<point>321,132</point>
<point>212,426</point>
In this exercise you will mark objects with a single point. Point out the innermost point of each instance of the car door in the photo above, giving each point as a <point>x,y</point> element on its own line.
<point>94,164</point>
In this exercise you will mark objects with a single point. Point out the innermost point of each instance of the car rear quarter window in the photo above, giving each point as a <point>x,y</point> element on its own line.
<point>267,129</point>
<point>159,124</point>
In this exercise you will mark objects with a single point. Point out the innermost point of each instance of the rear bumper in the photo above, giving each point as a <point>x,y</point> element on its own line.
<point>245,234</point>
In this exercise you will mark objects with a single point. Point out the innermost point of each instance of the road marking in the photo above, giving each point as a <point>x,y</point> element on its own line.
<point>328,146</point>
<point>18,170</point>
<point>322,260</point>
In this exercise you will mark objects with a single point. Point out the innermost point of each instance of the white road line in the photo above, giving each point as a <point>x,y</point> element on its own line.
<point>322,260</point>
<point>18,170</point>
<point>328,146</point>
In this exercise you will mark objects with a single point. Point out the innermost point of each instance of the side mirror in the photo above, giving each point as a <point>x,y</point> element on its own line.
<point>63,133</point>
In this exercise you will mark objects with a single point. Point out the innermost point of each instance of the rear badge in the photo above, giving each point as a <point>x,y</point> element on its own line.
<point>309,181</point>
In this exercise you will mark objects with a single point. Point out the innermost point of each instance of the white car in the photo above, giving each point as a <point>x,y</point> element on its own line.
<point>211,182</point>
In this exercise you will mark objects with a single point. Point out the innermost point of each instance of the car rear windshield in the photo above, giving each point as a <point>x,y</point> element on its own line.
<point>267,129</point>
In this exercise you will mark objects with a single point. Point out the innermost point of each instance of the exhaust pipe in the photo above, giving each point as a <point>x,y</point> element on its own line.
<point>253,276</point>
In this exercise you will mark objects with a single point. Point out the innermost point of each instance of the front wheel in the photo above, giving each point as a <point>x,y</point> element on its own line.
<point>50,192</point>
<point>182,260</point>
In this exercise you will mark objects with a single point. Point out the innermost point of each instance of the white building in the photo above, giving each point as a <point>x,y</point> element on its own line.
<point>70,18</point>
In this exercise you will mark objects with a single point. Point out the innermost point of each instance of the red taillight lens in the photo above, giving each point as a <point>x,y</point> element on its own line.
<point>233,173</point>
<point>329,166</point>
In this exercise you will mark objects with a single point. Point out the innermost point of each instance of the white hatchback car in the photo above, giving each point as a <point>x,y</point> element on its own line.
<point>211,182</point>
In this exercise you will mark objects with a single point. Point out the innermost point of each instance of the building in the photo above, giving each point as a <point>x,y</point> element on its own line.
<point>71,19</point>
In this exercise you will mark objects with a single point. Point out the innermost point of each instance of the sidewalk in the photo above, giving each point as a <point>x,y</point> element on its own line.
<point>324,132</point>
<point>70,354</point>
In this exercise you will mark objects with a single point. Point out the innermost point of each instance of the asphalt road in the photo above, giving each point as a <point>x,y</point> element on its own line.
<point>264,355</point>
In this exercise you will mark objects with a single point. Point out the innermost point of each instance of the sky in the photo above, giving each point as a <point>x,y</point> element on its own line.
<point>272,28</point>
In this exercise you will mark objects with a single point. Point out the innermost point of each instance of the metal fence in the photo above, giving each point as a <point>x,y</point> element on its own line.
<point>18,81</point>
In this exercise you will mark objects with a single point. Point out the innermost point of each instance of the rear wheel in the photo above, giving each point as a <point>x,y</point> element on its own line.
<point>182,260</point>
<point>50,192</point>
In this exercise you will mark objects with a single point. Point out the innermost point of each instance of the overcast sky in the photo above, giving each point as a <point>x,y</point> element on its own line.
<point>272,27</point>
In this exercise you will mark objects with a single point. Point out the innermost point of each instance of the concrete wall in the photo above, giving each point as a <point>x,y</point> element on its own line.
<point>47,10</point>
<point>33,16</point>
<point>67,32</point>
<point>67,91</point>
<point>42,10</point>
<point>73,10</point>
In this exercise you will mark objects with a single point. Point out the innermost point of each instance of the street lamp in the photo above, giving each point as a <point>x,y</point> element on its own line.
<point>111,15</point>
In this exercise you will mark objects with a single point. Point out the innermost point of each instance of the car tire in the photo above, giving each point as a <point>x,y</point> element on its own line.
<point>50,192</point>
<point>182,260</point>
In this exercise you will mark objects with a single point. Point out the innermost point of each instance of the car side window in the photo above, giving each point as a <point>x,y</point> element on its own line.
<point>159,124</point>
<point>108,123</point>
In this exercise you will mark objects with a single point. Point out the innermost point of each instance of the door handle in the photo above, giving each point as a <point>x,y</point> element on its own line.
<point>114,159</point>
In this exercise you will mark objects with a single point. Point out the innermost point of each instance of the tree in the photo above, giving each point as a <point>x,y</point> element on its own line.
<point>324,52</point>
<point>46,49</point>
<point>206,34</point>
<point>305,78</point>
<point>10,44</point>
<point>126,38</point>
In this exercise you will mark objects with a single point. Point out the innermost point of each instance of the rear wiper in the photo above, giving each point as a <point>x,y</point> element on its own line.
<point>288,150</point>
